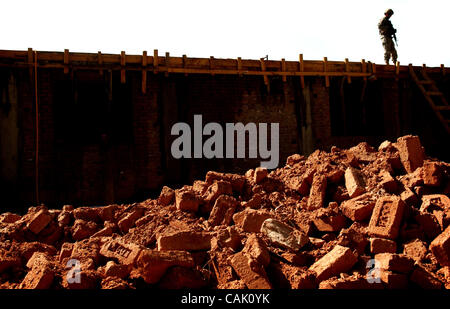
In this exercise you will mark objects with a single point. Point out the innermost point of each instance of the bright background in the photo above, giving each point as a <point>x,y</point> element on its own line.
<point>230,29</point>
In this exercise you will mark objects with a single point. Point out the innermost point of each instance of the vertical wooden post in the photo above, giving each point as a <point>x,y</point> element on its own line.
<point>30,62</point>
<point>374,70</point>
<point>325,69</point>
<point>239,64</point>
<point>443,70</point>
<point>302,69</point>
<point>364,68</point>
<point>122,67</point>
<point>347,69</point>
<point>167,64</point>
<point>283,69</point>
<point>184,64</point>
<point>100,62</point>
<point>144,71</point>
<point>397,69</point>
<point>263,69</point>
<point>66,61</point>
<point>155,61</point>
<point>211,64</point>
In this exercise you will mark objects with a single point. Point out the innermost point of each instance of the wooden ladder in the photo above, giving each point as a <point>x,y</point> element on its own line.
<point>433,96</point>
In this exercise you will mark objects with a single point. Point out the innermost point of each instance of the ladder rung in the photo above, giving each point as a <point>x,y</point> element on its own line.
<point>442,108</point>
<point>434,93</point>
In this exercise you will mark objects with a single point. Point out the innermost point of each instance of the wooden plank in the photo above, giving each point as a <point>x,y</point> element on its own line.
<point>266,78</point>
<point>283,69</point>
<point>166,74</point>
<point>30,62</point>
<point>302,69</point>
<point>100,61</point>
<point>363,67</point>
<point>66,61</point>
<point>374,70</point>
<point>443,70</point>
<point>211,64</point>
<point>155,61</point>
<point>123,62</point>
<point>347,70</point>
<point>144,72</point>
<point>185,65</point>
<point>239,63</point>
<point>397,68</point>
<point>325,69</point>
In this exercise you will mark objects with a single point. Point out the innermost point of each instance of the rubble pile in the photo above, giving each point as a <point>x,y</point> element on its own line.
<point>355,218</point>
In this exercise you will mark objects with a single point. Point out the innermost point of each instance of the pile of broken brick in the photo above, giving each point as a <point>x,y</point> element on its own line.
<point>347,219</point>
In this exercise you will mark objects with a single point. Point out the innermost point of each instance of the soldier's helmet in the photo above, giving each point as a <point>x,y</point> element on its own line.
<point>389,12</point>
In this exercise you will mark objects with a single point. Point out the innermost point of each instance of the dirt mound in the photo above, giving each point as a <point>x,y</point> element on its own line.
<point>355,218</point>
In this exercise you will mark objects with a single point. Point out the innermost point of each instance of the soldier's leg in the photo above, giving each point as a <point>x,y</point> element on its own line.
<point>394,54</point>
<point>387,52</point>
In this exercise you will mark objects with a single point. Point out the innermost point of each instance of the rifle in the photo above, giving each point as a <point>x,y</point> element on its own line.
<point>395,39</point>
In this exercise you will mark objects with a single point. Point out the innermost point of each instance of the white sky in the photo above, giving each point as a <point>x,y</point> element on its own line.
<point>230,29</point>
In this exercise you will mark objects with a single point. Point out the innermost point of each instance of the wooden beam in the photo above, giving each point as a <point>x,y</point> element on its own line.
<point>155,61</point>
<point>211,64</point>
<point>443,70</point>
<point>239,66</point>
<point>363,67</point>
<point>283,69</point>
<point>302,69</point>
<point>325,70</point>
<point>30,61</point>
<point>347,70</point>
<point>144,71</point>
<point>397,69</point>
<point>374,70</point>
<point>184,63</point>
<point>66,61</point>
<point>100,62</point>
<point>123,62</point>
<point>166,74</point>
<point>266,78</point>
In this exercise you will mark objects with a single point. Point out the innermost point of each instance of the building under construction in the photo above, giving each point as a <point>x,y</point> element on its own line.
<point>93,128</point>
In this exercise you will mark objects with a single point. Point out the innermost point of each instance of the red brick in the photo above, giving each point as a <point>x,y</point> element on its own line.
<point>388,182</point>
<point>257,249</point>
<point>429,224</point>
<point>393,280</point>
<point>66,251</point>
<point>340,259</point>
<point>408,197</point>
<point>153,264</point>
<point>386,217</point>
<point>440,247</point>
<point>329,220</point>
<point>9,218</point>
<point>223,210</point>
<point>352,282</point>
<point>415,249</point>
<point>130,219</point>
<point>317,192</point>
<point>432,174</point>
<point>425,279</point>
<point>250,271</point>
<point>382,245</point>
<point>41,274</point>
<point>299,184</point>
<point>228,237</point>
<point>250,220</point>
<point>354,182</point>
<point>435,201</point>
<point>411,152</point>
<point>124,253</point>
<point>114,270</point>
<point>255,202</point>
<point>39,221</point>
<point>237,181</point>
<point>283,235</point>
<point>83,229</point>
<point>186,200</point>
<point>184,240</point>
<point>86,213</point>
<point>216,189</point>
<point>359,208</point>
<point>294,159</point>
<point>200,186</point>
<point>166,196</point>
<point>260,174</point>
<point>394,262</point>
